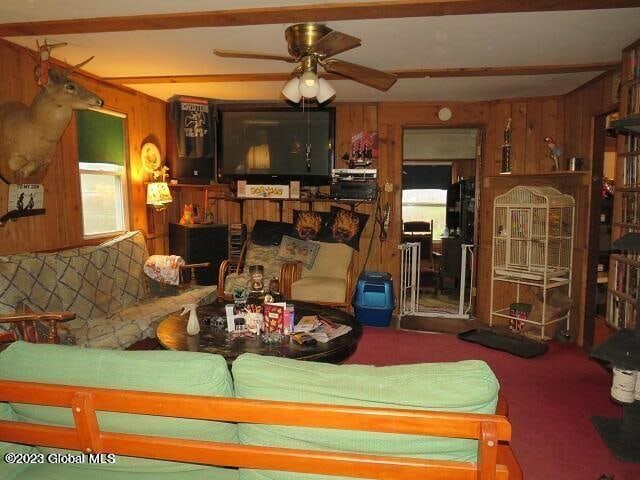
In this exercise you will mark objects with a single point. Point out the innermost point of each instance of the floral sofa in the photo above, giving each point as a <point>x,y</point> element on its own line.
<point>103,285</point>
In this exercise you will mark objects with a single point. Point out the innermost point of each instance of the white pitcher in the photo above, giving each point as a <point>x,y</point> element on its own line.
<point>193,326</point>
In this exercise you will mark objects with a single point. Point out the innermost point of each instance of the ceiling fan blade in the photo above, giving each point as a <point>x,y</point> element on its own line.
<point>368,76</point>
<point>334,43</point>
<point>256,55</point>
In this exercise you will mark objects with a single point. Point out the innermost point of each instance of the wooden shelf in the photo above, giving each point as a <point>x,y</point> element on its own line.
<point>624,296</point>
<point>573,179</point>
<point>629,154</point>
<point>623,259</point>
<point>628,189</point>
<point>634,226</point>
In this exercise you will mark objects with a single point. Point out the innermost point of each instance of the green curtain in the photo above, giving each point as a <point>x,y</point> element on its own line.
<point>100,137</point>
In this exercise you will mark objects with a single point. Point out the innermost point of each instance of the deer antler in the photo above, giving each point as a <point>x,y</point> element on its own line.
<point>72,69</point>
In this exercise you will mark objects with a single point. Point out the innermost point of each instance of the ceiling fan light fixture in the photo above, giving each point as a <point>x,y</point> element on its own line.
<point>326,91</point>
<point>308,85</point>
<point>291,90</point>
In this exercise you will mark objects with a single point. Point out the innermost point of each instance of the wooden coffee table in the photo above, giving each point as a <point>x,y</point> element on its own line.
<point>172,335</point>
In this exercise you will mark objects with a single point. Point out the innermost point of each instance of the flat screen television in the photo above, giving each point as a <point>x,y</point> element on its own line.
<point>267,144</point>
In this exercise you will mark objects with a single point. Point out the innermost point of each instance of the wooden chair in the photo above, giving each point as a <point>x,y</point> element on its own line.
<point>24,326</point>
<point>291,272</point>
<point>422,232</point>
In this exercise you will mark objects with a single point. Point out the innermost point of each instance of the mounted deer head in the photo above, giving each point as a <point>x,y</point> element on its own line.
<point>29,134</point>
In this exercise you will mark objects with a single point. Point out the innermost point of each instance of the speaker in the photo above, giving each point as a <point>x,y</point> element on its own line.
<point>191,139</point>
<point>200,243</point>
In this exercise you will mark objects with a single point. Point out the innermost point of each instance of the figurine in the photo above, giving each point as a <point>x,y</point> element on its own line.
<point>554,152</point>
<point>187,215</point>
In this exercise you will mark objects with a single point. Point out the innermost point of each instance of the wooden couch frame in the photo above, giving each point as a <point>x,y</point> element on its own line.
<point>87,437</point>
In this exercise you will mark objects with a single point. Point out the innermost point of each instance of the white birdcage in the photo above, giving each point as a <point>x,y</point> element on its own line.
<point>532,241</point>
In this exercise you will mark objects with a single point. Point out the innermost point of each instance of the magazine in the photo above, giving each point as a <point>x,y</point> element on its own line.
<point>320,328</point>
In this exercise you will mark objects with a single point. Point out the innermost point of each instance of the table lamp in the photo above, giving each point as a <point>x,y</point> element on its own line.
<point>622,352</point>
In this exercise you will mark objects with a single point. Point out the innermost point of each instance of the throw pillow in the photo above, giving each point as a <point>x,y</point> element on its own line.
<point>345,226</point>
<point>309,225</point>
<point>269,233</point>
<point>292,249</point>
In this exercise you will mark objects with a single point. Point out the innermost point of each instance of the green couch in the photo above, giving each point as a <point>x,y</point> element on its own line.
<point>468,386</point>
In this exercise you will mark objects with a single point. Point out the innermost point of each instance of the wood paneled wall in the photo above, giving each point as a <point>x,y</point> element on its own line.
<point>567,119</point>
<point>61,226</point>
<point>580,108</point>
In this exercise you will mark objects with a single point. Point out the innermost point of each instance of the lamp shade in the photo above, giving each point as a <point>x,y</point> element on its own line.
<point>291,90</point>
<point>308,85</point>
<point>158,194</point>
<point>325,92</point>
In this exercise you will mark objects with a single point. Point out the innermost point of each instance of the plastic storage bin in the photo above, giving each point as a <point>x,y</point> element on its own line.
<point>373,299</point>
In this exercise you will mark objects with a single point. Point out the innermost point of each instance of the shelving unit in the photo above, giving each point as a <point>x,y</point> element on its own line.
<point>221,193</point>
<point>624,268</point>
<point>532,246</point>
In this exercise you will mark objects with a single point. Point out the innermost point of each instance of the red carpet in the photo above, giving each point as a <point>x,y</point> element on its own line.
<point>551,400</point>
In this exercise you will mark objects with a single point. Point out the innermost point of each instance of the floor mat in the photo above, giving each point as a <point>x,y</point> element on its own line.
<point>513,344</point>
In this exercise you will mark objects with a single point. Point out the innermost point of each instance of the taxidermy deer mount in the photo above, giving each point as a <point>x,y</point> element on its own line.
<point>29,134</point>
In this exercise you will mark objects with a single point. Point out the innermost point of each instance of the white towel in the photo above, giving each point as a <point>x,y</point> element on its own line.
<point>164,268</point>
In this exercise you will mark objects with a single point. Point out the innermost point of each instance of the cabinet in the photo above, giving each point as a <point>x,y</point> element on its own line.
<point>533,247</point>
<point>461,210</point>
<point>624,267</point>
<point>200,243</point>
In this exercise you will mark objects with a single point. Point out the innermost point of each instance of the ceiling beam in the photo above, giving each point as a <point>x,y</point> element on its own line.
<point>411,73</point>
<point>303,13</point>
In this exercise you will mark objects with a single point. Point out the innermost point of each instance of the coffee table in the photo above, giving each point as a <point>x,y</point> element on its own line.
<point>172,335</point>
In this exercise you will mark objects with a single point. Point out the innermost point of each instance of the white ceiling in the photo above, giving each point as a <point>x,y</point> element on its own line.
<point>408,43</point>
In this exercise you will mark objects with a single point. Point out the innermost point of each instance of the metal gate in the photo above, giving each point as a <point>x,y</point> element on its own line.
<point>410,283</point>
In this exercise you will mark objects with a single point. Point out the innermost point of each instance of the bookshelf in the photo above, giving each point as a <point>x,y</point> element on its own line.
<point>624,270</point>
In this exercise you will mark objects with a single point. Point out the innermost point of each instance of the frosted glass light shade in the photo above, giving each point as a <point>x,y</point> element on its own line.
<point>325,92</point>
<point>158,195</point>
<point>309,86</point>
<point>291,91</point>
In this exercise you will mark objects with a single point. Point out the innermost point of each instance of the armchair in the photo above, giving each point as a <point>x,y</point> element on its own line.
<point>24,326</point>
<point>328,282</point>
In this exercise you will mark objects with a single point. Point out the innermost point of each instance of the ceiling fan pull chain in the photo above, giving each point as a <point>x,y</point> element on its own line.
<point>308,151</point>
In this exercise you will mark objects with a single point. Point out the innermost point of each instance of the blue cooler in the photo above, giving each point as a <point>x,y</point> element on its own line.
<point>373,299</point>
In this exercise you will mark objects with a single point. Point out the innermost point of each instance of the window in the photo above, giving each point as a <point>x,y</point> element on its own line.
<point>103,179</point>
<point>424,194</point>
<point>424,205</point>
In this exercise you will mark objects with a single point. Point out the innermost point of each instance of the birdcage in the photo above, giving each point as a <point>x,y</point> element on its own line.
<point>532,241</point>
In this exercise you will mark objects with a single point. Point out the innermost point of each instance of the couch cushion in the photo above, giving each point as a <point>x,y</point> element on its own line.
<point>267,256</point>
<point>156,371</point>
<point>9,470</point>
<point>468,386</point>
<point>332,261</point>
<point>85,472</point>
<point>267,233</point>
<point>319,289</point>
<point>29,278</point>
<point>132,323</point>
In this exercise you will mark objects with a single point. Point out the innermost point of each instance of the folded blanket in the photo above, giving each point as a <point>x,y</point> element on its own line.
<point>164,268</point>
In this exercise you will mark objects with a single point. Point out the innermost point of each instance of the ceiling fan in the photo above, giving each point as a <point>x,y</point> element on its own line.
<point>313,44</point>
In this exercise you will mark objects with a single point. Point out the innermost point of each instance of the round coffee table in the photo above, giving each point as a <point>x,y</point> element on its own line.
<point>172,335</point>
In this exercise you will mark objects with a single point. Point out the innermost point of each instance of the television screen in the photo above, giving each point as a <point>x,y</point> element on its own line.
<point>270,143</point>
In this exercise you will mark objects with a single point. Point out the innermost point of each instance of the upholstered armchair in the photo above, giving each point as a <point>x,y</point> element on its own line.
<point>328,282</point>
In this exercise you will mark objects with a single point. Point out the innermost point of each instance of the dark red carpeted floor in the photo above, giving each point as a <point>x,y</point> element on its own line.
<point>551,400</point>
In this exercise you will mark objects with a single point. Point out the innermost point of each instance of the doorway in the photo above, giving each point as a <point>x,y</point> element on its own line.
<point>601,224</point>
<point>439,213</point>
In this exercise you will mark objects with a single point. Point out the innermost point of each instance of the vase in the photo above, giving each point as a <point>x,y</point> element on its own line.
<point>193,326</point>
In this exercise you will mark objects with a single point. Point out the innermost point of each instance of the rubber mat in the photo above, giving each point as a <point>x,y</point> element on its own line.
<point>515,345</point>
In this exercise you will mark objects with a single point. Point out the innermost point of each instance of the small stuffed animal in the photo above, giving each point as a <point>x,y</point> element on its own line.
<point>187,215</point>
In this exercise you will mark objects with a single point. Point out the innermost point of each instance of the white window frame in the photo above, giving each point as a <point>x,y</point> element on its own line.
<point>112,170</point>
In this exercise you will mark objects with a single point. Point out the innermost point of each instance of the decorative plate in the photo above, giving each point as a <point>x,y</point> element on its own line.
<point>151,159</point>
